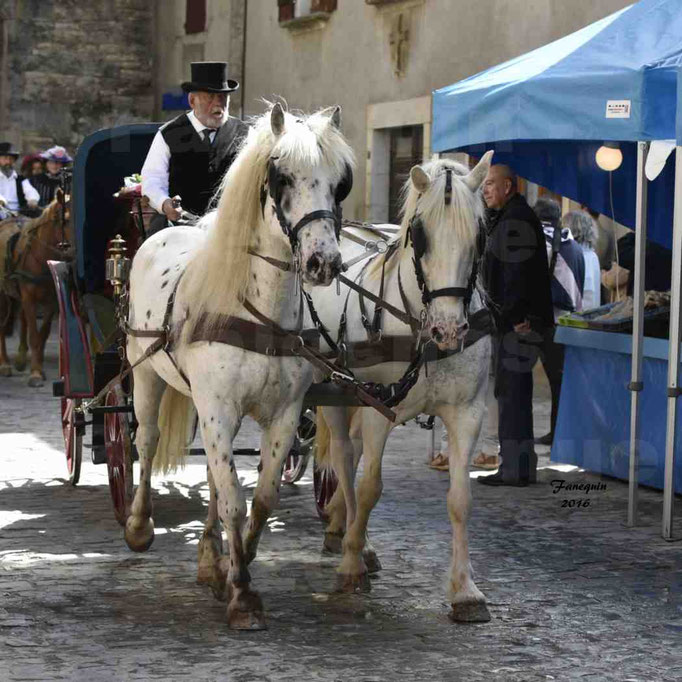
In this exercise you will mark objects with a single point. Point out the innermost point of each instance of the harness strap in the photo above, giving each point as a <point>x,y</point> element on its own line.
<point>338,374</point>
<point>282,265</point>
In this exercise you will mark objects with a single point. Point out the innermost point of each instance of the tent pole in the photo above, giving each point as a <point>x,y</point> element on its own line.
<point>635,386</point>
<point>673,353</point>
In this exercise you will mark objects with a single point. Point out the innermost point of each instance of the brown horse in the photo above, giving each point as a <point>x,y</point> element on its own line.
<point>24,276</point>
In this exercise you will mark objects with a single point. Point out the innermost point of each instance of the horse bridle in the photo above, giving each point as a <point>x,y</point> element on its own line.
<point>273,186</point>
<point>417,236</point>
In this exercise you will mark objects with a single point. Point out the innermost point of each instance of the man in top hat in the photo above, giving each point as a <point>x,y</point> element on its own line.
<point>190,154</point>
<point>16,193</point>
<point>56,159</point>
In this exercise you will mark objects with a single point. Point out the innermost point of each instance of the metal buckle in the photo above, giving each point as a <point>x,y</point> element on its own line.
<point>270,351</point>
<point>381,245</point>
<point>341,377</point>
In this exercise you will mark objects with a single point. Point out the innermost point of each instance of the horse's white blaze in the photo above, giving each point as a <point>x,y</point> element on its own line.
<point>212,269</point>
<point>454,389</point>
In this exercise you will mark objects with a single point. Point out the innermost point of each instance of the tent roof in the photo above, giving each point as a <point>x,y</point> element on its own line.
<point>561,90</point>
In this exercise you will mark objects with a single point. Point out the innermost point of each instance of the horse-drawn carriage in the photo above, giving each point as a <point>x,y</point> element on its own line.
<point>110,222</point>
<point>210,321</point>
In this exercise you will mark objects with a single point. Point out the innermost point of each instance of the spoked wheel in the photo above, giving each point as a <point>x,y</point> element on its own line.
<point>297,459</point>
<point>119,454</point>
<point>325,484</point>
<point>73,427</point>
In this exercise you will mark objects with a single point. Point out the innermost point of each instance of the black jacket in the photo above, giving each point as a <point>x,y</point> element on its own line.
<point>196,167</point>
<point>515,271</point>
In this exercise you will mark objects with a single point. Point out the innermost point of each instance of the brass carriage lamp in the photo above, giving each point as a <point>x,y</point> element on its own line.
<point>117,264</point>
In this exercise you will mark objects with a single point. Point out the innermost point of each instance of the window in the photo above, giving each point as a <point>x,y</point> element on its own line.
<point>195,16</point>
<point>297,9</point>
<point>407,149</point>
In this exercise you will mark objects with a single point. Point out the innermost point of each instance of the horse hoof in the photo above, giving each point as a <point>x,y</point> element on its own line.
<point>35,381</point>
<point>245,612</point>
<point>353,583</point>
<point>139,533</point>
<point>217,581</point>
<point>470,612</point>
<point>5,371</point>
<point>333,543</point>
<point>371,561</point>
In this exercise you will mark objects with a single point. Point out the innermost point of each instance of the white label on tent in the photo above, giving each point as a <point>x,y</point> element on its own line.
<point>618,108</point>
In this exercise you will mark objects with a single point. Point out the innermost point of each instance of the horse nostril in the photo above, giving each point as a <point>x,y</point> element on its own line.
<point>313,264</point>
<point>436,334</point>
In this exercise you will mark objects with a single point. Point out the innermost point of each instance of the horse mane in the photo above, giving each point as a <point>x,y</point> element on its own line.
<point>217,276</point>
<point>464,212</point>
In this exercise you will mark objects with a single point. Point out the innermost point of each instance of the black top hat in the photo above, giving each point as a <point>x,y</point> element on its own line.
<point>210,77</point>
<point>6,149</point>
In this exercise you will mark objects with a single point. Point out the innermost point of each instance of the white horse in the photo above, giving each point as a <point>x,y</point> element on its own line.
<point>281,193</point>
<point>453,388</point>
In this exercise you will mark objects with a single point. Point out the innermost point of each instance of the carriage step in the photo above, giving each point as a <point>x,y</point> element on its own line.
<point>248,452</point>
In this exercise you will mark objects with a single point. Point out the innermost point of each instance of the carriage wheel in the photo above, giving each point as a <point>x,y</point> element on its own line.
<point>119,455</point>
<point>73,426</point>
<point>325,484</point>
<point>297,459</point>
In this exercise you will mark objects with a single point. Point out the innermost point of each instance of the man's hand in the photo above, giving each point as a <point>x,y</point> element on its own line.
<point>169,209</point>
<point>3,201</point>
<point>522,328</point>
<point>32,204</point>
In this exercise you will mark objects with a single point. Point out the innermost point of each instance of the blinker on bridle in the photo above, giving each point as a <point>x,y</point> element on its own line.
<point>417,235</point>
<point>274,190</point>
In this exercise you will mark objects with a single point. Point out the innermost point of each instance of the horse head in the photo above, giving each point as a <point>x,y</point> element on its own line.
<point>443,212</point>
<point>59,224</point>
<point>309,174</point>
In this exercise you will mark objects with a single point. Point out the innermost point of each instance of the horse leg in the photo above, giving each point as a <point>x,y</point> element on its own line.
<point>275,445</point>
<point>149,388</point>
<point>43,334</point>
<point>219,424</point>
<point>463,424</point>
<point>336,507</point>
<point>22,351</point>
<point>5,311</point>
<point>341,450</point>
<point>210,550</point>
<point>29,306</point>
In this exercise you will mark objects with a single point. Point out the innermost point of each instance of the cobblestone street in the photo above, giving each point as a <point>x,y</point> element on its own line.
<point>574,594</point>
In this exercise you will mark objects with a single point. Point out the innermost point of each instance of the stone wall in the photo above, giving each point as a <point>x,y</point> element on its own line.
<point>71,68</point>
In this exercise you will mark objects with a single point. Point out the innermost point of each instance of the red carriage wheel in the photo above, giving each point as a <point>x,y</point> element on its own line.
<point>73,426</point>
<point>118,449</point>
<point>325,484</point>
<point>297,459</point>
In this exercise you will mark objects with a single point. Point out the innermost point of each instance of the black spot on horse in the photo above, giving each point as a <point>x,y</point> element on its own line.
<point>257,292</point>
<point>212,418</point>
<point>149,314</point>
<point>225,458</point>
<point>166,271</point>
<point>164,284</point>
<point>260,467</point>
<point>255,279</point>
<point>164,244</point>
<point>276,443</point>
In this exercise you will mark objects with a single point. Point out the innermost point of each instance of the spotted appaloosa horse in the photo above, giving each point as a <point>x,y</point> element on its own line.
<point>31,283</point>
<point>454,388</point>
<point>288,167</point>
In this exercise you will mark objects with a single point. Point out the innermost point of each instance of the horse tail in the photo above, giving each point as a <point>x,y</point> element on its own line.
<point>176,422</point>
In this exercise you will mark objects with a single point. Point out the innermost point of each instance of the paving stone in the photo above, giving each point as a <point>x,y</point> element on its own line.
<point>573,593</point>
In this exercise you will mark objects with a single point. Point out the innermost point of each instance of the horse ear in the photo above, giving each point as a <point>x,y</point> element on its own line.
<point>277,120</point>
<point>335,118</point>
<point>59,196</point>
<point>420,179</point>
<point>475,177</point>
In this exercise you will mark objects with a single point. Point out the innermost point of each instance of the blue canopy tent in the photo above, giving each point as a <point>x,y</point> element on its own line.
<point>546,112</point>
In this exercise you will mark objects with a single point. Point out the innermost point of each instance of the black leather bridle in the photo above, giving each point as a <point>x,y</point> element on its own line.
<point>417,236</point>
<point>273,187</point>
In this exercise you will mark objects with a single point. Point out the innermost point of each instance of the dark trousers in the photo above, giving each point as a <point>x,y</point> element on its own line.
<point>157,223</point>
<point>552,357</point>
<point>515,356</point>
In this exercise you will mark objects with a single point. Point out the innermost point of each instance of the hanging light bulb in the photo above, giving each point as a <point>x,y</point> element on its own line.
<point>609,157</point>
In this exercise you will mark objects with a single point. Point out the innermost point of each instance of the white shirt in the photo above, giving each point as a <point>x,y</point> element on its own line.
<point>592,287</point>
<point>8,191</point>
<point>155,169</point>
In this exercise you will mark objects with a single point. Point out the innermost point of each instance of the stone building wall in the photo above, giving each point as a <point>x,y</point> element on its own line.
<point>70,68</point>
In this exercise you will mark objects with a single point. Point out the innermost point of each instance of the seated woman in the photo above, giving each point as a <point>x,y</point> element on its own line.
<point>56,159</point>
